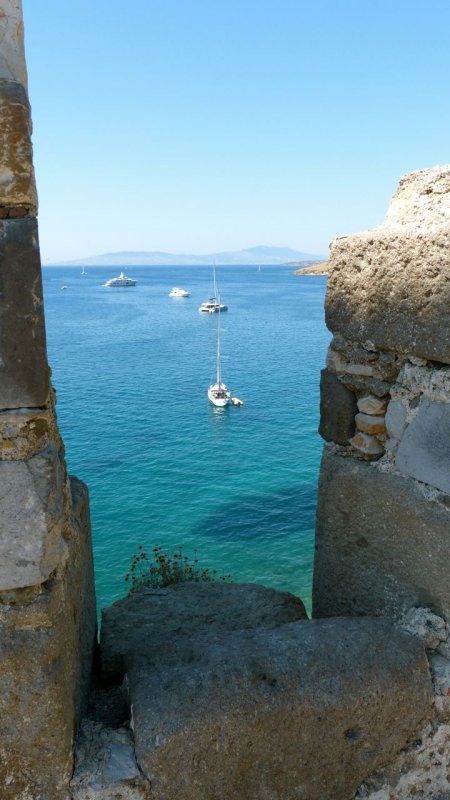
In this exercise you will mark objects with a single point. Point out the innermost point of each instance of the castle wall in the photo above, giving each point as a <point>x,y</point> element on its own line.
<point>47,603</point>
<point>383,518</point>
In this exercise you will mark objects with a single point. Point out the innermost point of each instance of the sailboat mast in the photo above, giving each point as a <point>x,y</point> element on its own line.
<point>218,376</point>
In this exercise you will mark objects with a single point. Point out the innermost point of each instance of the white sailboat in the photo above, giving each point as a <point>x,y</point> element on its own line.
<point>218,393</point>
<point>83,271</point>
<point>213,304</point>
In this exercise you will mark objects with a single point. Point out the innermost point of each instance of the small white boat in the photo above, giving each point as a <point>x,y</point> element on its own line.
<point>83,271</point>
<point>121,280</point>
<point>176,292</point>
<point>218,392</point>
<point>213,304</point>
<point>63,287</point>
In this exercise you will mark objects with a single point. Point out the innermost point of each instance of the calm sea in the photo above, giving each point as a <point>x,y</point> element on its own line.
<point>131,368</point>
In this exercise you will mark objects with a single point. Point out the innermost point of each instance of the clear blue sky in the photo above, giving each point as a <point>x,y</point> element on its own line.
<point>202,125</point>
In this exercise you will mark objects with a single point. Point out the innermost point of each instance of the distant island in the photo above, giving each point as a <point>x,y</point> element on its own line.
<point>311,268</point>
<point>252,255</point>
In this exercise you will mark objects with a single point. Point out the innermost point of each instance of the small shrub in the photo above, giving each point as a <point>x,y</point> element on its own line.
<point>158,569</point>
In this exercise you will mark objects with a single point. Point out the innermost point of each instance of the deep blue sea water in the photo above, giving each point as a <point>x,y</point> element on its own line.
<point>131,368</point>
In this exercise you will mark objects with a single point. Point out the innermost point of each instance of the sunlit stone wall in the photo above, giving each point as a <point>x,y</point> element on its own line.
<point>47,608</point>
<point>383,520</point>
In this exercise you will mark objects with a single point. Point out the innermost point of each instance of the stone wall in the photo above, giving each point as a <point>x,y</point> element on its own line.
<point>383,516</point>
<point>47,604</point>
<point>383,520</point>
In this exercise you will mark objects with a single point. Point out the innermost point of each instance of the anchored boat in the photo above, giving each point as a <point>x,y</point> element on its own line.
<point>121,280</point>
<point>218,393</point>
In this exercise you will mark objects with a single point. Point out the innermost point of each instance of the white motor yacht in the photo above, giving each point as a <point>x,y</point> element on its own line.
<point>121,280</point>
<point>176,292</point>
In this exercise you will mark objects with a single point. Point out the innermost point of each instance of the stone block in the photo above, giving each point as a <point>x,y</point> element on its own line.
<point>105,765</point>
<point>150,620</point>
<point>369,423</point>
<point>372,405</point>
<point>382,545</point>
<point>424,451</point>
<point>422,199</point>
<point>46,648</point>
<point>396,419</point>
<point>24,432</point>
<point>367,446</point>
<point>337,409</point>
<point>32,543</point>
<point>17,187</point>
<point>305,710</point>
<point>81,594</point>
<point>390,286</point>
<point>24,372</point>
<point>12,58</point>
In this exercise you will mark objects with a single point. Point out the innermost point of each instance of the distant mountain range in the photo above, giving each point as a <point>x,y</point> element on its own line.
<point>252,255</point>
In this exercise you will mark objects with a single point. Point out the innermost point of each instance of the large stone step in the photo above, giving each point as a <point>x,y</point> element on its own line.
<point>158,619</point>
<point>240,708</point>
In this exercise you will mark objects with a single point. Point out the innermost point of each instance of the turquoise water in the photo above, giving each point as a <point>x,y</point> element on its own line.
<point>131,368</point>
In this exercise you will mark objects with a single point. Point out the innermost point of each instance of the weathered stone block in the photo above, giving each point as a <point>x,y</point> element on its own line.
<point>306,710</point>
<point>369,423</point>
<point>422,199</point>
<point>17,187</point>
<point>81,593</point>
<point>46,648</point>
<point>393,288</point>
<point>372,405</point>
<point>32,544</point>
<point>147,621</point>
<point>24,432</point>
<point>337,409</point>
<point>424,451</point>
<point>105,766</point>
<point>389,287</point>
<point>381,545</point>
<point>24,373</point>
<point>12,58</point>
<point>368,446</point>
<point>396,419</point>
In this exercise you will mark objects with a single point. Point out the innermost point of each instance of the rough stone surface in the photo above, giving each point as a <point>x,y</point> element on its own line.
<point>396,419</point>
<point>17,187</point>
<point>391,285</point>
<point>81,591</point>
<point>428,627</point>
<point>105,765</point>
<point>32,543</point>
<point>421,772</point>
<point>149,620</point>
<point>46,647</point>
<point>369,423</point>
<point>338,364</point>
<point>337,409</point>
<point>381,545</point>
<point>422,199</point>
<point>372,405</point>
<point>24,373</point>
<point>368,446</point>
<point>424,451</point>
<point>12,57</point>
<point>305,710</point>
<point>24,432</point>
<point>415,380</point>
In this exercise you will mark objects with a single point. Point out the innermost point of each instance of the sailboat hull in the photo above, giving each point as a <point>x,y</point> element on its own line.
<point>219,395</point>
